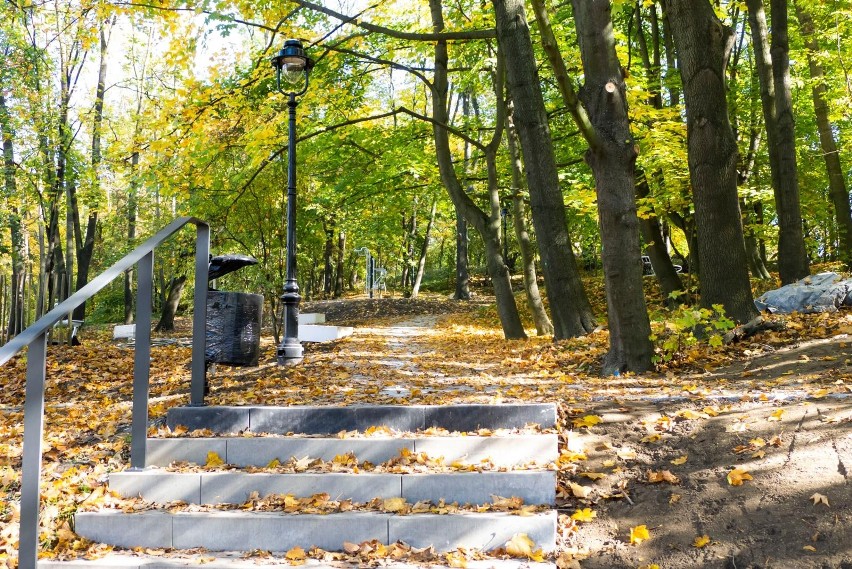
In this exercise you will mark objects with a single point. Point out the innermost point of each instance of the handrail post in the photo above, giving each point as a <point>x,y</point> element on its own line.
<point>31,468</point>
<point>199,314</point>
<point>142,361</point>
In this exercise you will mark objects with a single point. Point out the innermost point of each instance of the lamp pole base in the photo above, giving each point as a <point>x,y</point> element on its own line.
<point>290,354</point>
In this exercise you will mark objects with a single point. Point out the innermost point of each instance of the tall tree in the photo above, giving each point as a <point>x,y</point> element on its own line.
<point>837,189</point>
<point>773,70</point>
<point>704,43</point>
<point>572,314</point>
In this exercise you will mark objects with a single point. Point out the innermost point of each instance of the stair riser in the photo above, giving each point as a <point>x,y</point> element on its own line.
<point>534,487</point>
<point>248,531</point>
<point>331,420</point>
<point>241,452</point>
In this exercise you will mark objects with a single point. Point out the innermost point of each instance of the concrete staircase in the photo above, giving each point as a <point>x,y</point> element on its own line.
<point>312,328</point>
<point>185,516</point>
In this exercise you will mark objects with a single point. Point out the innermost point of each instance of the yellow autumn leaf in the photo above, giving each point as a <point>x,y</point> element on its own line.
<point>580,491</point>
<point>394,504</point>
<point>592,475</point>
<point>587,421</point>
<point>213,459</point>
<point>712,411</point>
<point>584,515</point>
<point>820,499</point>
<point>737,476</point>
<point>650,438</point>
<point>809,548</point>
<point>522,546</point>
<point>639,534</point>
<point>274,463</point>
<point>456,559</point>
<point>295,556</point>
<point>776,415</point>
<point>679,460</point>
<point>701,541</point>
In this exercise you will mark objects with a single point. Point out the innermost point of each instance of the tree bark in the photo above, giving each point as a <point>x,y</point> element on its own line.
<point>170,306</point>
<point>612,160</point>
<point>569,306</point>
<point>543,326</point>
<point>488,226</point>
<point>132,196</point>
<point>340,266</point>
<point>655,245</point>
<point>837,188</point>
<point>421,263</point>
<point>773,71</point>
<point>704,44</point>
<point>462,274</point>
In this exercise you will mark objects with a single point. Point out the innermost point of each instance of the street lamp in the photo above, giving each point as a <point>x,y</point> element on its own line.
<point>293,67</point>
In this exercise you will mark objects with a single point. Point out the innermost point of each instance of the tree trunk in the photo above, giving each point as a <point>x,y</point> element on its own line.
<point>131,234</point>
<point>167,317</point>
<point>837,189</point>
<point>328,263</point>
<point>543,326</point>
<point>569,306</point>
<point>773,71</point>
<point>487,226</point>
<point>704,44</point>
<point>339,265</point>
<point>655,245</point>
<point>462,274</point>
<point>421,264</point>
<point>612,158</point>
<point>15,323</point>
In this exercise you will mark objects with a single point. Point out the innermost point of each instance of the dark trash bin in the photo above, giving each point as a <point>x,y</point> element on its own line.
<point>233,318</point>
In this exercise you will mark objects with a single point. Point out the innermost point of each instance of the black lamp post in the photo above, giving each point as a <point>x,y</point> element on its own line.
<point>293,66</point>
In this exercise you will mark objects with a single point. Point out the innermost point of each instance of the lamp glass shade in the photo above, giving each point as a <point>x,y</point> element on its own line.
<point>292,73</point>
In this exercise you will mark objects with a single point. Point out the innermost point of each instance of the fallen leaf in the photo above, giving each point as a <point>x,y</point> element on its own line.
<point>639,534</point>
<point>213,460</point>
<point>776,415</point>
<point>580,491</point>
<point>295,556</point>
<point>394,504</point>
<point>587,421</point>
<point>679,460</point>
<point>522,546</point>
<point>662,476</point>
<point>809,548</point>
<point>675,498</point>
<point>456,559</point>
<point>584,515</point>
<point>701,541</point>
<point>819,499</point>
<point>592,475</point>
<point>737,476</point>
<point>350,547</point>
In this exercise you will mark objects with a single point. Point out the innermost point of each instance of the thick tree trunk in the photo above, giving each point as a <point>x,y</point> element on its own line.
<point>612,158</point>
<point>704,44</point>
<point>15,323</point>
<point>773,71</point>
<point>837,189</point>
<point>487,226</point>
<point>328,261</point>
<point>421,263</point>
<point>462,274</point>
<point>167,316</point>
<point>543,326</point>
<point>569,306</point>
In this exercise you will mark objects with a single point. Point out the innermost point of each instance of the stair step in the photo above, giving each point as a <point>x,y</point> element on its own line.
<point>272,531</point>
<point>328,420</point>
<point>323,333</point>
<point>230,487</point>
<point>502,451</point>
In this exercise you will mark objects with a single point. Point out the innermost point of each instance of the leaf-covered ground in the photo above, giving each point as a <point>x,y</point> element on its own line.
<point>731,457</point>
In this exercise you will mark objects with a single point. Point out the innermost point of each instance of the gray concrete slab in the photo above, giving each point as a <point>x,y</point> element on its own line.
<point>276,532</point>
<point>472,417</point>
<point>399,417</point>
<point>315,420</point>
<point>157,485</point>
<point>511,450</point>
<point>475,531</point>
<point>260,451</point>
<point>141,529</point>
<point>235,487</point>
<point>162,452</point>
<point>219,419</point>
<point>534,487</point>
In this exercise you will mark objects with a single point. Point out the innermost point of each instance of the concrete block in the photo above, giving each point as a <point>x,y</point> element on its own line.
<point>534,487</point>
<point>246,531</point>
<point>142,529</point>
<point>124,332</point>
<point>235,487</point>
<point>162,452</point>
<point>311,318</point>
<point>217,419</point>
<point>260,451</point>
<point>476,416</point>
<point>157,486</point>
<point>323,333</point>
<point>476,531</point>
<point>314,420</point>
<point>507,451</point>
<point>399,417</point>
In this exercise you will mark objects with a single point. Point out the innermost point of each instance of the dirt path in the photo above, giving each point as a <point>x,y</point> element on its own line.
<point>756,419</point>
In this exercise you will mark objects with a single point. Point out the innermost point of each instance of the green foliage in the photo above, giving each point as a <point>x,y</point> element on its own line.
<point>689,326</point>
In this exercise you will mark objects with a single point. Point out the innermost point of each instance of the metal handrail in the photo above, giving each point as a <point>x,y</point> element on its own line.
<point>35,337</point>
